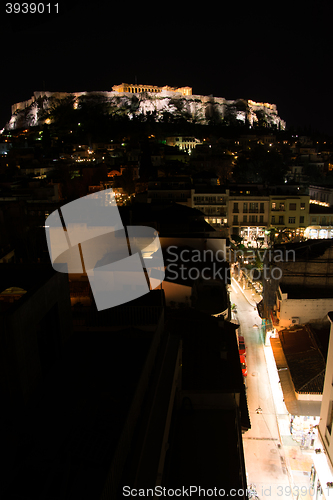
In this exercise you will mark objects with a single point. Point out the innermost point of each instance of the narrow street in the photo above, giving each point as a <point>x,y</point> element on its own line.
<point>265,459</point>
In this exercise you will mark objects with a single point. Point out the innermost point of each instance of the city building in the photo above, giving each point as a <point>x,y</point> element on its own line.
<point>305,271</point>
<point>249,214</point>
<point>289,212</point>
<point>320,224</point>
<point>213,409</point>
<point>184,143</point>
<point>166,190</point>
<point>321,195</point>
<point>213,202</point>
<point>322,470</point>
<point>297,304</point>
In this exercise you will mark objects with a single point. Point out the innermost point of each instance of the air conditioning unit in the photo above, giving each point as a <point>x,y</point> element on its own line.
<point>295,321</point>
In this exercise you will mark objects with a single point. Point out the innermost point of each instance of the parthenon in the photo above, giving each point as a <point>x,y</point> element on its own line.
<point>137,88</point>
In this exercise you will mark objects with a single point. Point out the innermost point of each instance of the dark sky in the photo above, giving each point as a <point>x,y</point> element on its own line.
<point>277,52</point>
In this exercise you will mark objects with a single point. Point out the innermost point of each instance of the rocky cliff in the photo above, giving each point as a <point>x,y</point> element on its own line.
<point>194,108</point>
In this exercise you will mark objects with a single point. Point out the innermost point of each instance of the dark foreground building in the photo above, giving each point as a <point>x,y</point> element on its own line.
<point>92,408</point>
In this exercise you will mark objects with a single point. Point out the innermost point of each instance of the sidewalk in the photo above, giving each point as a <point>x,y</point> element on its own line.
<point>298,459</point>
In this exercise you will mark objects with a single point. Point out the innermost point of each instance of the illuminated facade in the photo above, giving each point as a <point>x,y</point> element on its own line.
<point>183,143</point>
<point>138,88</point>
<point>155,100</point>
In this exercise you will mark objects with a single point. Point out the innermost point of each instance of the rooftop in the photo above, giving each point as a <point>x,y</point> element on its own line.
<point>305,361</point>
<point>204,337</point>
<point>302,292</point>
<point>308,250</point>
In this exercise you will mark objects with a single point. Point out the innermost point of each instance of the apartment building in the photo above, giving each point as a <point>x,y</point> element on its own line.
<point>248,211</point>
<point>249,217</point>
<point>291,212</point>
<point>320,224</point>
<point>213,202</point>
<point>165,190</point>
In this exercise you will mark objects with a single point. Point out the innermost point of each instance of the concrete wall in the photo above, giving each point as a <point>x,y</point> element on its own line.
<point>327,400</point>
<point>307,310</point>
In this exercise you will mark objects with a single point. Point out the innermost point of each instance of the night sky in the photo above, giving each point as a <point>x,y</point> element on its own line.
<point>276,52</point>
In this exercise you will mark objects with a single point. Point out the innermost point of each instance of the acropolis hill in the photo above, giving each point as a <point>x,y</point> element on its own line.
<point>136,99</point>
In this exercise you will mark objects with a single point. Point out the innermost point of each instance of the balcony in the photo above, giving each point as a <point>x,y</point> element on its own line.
<point>203,202</point>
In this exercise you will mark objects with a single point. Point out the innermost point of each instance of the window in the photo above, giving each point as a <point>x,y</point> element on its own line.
<point>301,219</point>
<point>273,219</point>
<point>281,219</point>
<point>262,208</point>
<point>253,207</point>
<point>261,219</point>
<point>314,220</point>
<point>292,220</point>
<point>292,206</point>
<point>273,206</point>
<point>302,206</point>
<point>244,218</point>
<point>235,208</point>
<point>235,220</point>
<point>253,218</point>
<point>281,206</point>
<point>245,208</point>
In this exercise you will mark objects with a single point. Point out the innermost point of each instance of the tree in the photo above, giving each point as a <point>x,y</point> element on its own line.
<point>62,112</point>
<point>260,166</point>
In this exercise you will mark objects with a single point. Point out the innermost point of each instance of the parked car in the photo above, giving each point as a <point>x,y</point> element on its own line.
<point>241,346</point>
<point>243,364</point>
